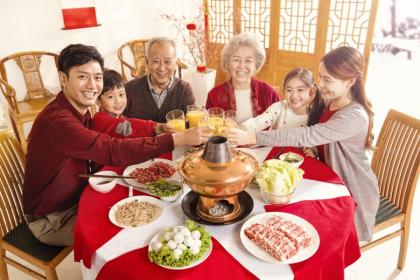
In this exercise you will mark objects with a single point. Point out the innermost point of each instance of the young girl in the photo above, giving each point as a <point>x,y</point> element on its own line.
<point>345,132</point>
<point>112,102</point>
<point>303,105</point>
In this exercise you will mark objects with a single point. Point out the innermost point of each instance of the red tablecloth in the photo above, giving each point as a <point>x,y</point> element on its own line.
<point>333,219</point>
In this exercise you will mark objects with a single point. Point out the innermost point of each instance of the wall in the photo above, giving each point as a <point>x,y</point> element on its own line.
<point>36,25</point>
<point>394,66</point>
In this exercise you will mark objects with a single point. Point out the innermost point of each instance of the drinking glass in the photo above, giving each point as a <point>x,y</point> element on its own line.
<point>215,121</point>
<point>230,120</point>
<point>176,119</point>
<point>194,115</point>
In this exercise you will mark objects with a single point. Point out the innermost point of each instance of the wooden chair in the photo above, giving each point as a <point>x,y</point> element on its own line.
<point>15,235</point>
<point>137,62</point>
<point>396,165</point>
<point>37,95</point>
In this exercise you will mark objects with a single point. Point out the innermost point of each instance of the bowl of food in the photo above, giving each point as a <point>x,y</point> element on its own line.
<point>167,190</point>
<point>277,180</point>
<point>180,247</point>
<point>103,184</point>
<point>292,158</point>
<point>276,198</point>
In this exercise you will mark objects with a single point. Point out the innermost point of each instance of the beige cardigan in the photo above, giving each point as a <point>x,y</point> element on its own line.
<point>344,137</point>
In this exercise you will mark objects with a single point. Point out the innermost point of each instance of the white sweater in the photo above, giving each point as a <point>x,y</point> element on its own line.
<point>278,115</point>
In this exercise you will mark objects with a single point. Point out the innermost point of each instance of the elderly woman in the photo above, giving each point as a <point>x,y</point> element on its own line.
<point>242,58</point>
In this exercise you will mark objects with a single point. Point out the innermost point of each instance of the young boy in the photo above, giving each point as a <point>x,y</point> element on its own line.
<point>112,102</point>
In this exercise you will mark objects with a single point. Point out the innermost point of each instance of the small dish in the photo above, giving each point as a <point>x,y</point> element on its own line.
<point>276,199</point>
<point>294,159</point>
<point>166,190</point>
<point>172,198</point>
<point>103,185</point>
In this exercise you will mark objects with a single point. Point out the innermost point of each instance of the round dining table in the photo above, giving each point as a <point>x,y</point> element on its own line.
<point>107,251</point>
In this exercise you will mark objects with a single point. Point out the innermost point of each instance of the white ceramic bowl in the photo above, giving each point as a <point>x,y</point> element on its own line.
<point>294,159</point>
<point>276,199</point>
<point>103,185</point>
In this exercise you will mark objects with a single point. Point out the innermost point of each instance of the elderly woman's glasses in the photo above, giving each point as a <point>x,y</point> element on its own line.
<point>246,61</point>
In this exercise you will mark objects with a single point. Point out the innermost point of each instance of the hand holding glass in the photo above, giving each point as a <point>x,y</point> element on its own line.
<point>176,120</point>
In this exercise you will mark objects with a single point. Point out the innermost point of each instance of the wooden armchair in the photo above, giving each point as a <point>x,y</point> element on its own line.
<point>15,235</point>
<point>396,165</point>
<point>37,95</point>
<point>136,64</point>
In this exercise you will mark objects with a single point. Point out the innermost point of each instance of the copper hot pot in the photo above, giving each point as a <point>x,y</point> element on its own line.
<point>217,175</point>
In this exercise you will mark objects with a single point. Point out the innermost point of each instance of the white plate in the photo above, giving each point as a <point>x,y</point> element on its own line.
<point>150,199</point>
<point>146,164</point>
<point>302,255</point>
<point>197,262</point>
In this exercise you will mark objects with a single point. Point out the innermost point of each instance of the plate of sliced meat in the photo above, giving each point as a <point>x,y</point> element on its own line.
<point>279,237</point>
<point>151,171</point>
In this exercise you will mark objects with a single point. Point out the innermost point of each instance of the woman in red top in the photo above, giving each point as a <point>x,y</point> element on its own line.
<point>242,58</point>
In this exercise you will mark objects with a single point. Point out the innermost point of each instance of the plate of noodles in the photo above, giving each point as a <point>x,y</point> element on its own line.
<point>135,211</point>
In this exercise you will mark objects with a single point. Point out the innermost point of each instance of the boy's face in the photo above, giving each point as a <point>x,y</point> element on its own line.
<point>82,85</point>
<point>113,101</point>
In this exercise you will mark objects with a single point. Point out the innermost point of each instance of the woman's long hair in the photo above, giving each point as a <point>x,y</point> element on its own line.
<point>316,106</point>
<point>346,63</point>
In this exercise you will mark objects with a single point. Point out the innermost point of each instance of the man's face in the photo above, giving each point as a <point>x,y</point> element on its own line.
<point>162,63</point>
<point>82,85</point>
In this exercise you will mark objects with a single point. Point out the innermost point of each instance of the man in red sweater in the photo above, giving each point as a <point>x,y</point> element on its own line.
<point>61,144</point>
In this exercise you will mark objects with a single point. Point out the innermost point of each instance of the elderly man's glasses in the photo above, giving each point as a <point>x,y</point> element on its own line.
<point>165,62</point>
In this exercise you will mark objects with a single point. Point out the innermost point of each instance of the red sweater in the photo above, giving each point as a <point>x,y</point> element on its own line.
<point>107,123</point>
<point>262,96</point>
<point>60,147</point>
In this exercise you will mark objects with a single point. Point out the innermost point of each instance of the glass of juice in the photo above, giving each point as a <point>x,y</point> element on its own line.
<point>215,121</point>
<point>194,115</point>
<point>230,120</point>
<point>176,119</point>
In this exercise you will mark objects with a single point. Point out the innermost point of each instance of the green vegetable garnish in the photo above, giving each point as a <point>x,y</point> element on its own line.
<point>291,157</point>
<point>163,188</point>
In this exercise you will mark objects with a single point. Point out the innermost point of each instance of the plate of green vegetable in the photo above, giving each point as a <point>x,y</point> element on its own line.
<point>168,190</point>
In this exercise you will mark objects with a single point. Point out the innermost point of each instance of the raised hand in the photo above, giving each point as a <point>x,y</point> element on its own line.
<point>241,137</point>
<point>192,136</point>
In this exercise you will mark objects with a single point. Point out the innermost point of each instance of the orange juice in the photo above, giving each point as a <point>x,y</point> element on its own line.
<point>228,123</point>
<point>194,117</point>
<point>178,125</point>
<point>216,123</point>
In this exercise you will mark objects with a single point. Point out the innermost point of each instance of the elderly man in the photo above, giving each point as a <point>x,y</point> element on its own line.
<point>152,96</point>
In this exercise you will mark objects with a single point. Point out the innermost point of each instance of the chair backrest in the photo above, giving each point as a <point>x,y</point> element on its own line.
<point>12,168</point>
<point>137,62</point>
<point>29,64</point>
<point>396,159</point>
<point>137,50</point>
